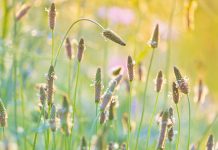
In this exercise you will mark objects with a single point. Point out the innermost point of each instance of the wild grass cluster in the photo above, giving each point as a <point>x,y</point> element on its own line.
<point>132,107</point>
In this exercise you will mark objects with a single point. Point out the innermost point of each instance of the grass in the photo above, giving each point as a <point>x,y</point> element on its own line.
<point>26,54</point>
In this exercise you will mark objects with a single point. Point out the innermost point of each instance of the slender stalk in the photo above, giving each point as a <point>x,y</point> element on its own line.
<point>144,98</point>
<point>69,78</point>
<point>3,132</point>
<point>75,91</point>
<point>189,121</point>
<point>178,136</point>
<point>23,108</point>
<point>69,29</point>
<point>152,120</point>
<point>36,134</point>
<point>52,46</point>
<point>5,19</point>
<point>129,110</point>
<point>74,98</point>
<point>54,142</point>
<point>96,114</point>
<point>169,33</point>
<point>15,66</point>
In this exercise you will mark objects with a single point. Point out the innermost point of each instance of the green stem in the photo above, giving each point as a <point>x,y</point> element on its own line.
<point>3,132</point>
<point>178,136</point>
<point>5,19</point>
<point>23,108</point>
<point>144,98</point>
<point>36,134</point>
<point>68,30</point>
<point>69,78</point>
<point>52,46</point>
<point>96,114</point>
<point>189,121</point>
<point>54,142</point>
<point>151,120</point>
<point>169,51</point>
<point>75,92</point>
<point>129,110</point>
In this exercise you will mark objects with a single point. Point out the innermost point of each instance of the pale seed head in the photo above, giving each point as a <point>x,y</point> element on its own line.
<point>182,83</point>
<point>130,67</point>
<point>210,143</point>
<point>175,93</point>
<point>98,85</point>
<point>111,35</point>
<point>68,48</point>
<point>155,37</point>
<point>22,12</point>
<point>3,114</point>
<point>81,48</point>
<point>159,81</point>
<point>52,16</point>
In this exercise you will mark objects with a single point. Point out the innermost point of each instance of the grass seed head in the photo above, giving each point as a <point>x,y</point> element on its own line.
<point>163,131</point>
<point>3,115</point>
<point>50,83</point>
<point>155,37</point>
<point>52,16</point>
<point>52,121</point>
<point>106,98</point>
<point>22,12</point>
<point>182,83</point>
<point>176,96</point>
<point>68,48</point>
<point>159,81</point>
<point>170,134</point>
<point>117,71</point>
<point>83,144</point>
<point>111,35</point>
<point>42,95</point>
<point>140,71</point>
<point>210,143</point>
<point>130,67</point>
<point>98,85</point>
<point>81,48</point>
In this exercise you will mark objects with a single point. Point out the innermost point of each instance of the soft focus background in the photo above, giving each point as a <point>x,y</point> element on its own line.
<point>188,29</point>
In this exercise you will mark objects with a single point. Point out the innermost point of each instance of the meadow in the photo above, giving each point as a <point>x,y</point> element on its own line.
<point>108,75</point>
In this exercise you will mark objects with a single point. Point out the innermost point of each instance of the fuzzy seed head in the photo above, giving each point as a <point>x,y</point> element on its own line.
<point>130,67</point>
<point>140,71</point>
<point>50,83</point>
<point>3,115</point>
<point>98,85</point>
<point>175,93</point>
<point>117,71</point>
<point>52,120</point>
<point>52,16</point>
<point>170,134</point>
<point>112,110</point>
<point>22,12</point>
<point>163,131</point>
<point>106,98</point>
<point>210,142</point>
<point>68,48</point>
<point>103,117</point>
<point>155,37</point>
<point>81,48</point>
<point>83,144</point>
<point>42,95</point>
<point>159,81</point>
<point>111,35</point>
<point>182,83</point>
